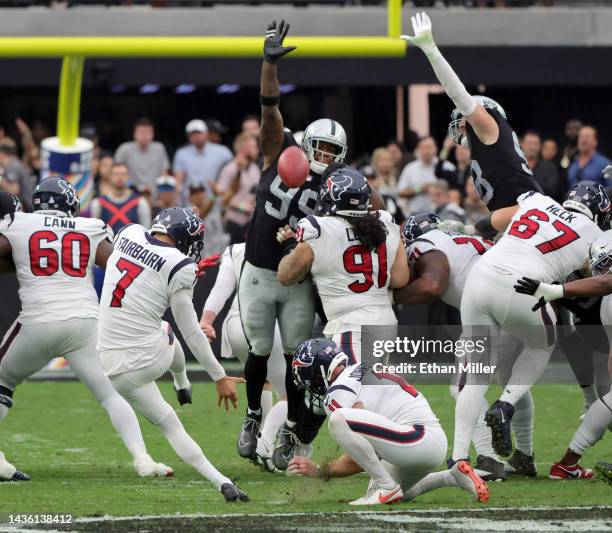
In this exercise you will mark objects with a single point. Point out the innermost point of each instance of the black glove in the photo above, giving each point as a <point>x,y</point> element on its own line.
<point>273,45</point>
<point>288,245</point>
<point>527,286</point>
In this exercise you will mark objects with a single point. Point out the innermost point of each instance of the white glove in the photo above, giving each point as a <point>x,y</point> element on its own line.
<point>423,38</point>
<point>454,226</point>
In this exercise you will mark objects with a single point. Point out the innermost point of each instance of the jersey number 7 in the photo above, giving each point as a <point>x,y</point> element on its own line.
<point>131,272</point>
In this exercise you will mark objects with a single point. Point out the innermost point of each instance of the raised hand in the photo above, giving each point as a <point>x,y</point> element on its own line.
<point>273,44</point>
<point>423,37</point>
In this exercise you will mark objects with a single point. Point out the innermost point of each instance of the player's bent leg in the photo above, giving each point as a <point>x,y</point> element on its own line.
<point>350,343</point>
<point>182,386</point>
<point>522,460</point>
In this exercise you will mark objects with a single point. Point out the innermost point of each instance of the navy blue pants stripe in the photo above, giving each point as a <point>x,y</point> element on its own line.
<point>346,345</point>
<point>403,437</point>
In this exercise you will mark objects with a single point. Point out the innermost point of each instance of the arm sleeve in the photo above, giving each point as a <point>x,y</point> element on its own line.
<point>185,317</point>
<point>225,284</point>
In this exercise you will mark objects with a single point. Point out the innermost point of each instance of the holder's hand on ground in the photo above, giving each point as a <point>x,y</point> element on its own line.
<point>544,292</point>
<point>273,45</point>
<point>423,37</point>
<point>226,389</point>
<point>301,466</point>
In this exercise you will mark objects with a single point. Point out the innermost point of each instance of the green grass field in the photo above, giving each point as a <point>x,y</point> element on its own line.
<point>59,435</point>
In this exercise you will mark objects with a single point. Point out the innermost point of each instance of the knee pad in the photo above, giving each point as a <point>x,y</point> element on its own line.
<point>170,423</point>
<point>6,397</point>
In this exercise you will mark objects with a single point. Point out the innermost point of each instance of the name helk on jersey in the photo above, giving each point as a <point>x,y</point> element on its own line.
<point>141,275</point>
<point>349,277</point>
<point>54,256</point>
<point>462,251</point>
<point>543,241</point>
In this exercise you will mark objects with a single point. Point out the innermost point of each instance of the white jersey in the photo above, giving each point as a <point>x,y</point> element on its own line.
<point>141,275</point>
<point>462,251</point>
<point>350,279</point>
<point>54,256</point>
<point>390,396</point>
<point>543,241</point>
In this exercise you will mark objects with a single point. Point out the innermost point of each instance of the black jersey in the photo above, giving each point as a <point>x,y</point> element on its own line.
<point>277,205</point>
<point>500,170</point>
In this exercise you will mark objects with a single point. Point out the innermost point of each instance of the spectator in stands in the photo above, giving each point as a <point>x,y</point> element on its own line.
<point>588,162</point>
<point>251,125</point>
<point>572,128</point>
<point>88,131</point>
<point>464,168</point>
<point>389,196</point>
<point>386,174</point>
<point>102,178</point>
<point>215,240</point>
<point>216,130</point>
<point>441,202</point>
<point>17,178</point>
<point>166,194</point>
<point>121,205</point>
<point>399,155</point>
<point>473,205</point>
<point>236,187</point>
<point>418,176</point>
<point>550,151</point>
<point>199,163</point>
<point>145,158</point>
<point>544,172</point>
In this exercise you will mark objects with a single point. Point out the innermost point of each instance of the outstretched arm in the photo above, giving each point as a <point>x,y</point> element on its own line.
<point>432,271</point>
<point>343,466</point>
<point>484,124</point>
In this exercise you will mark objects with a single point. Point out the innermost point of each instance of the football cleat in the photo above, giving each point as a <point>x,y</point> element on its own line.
<point>604,471</point>
<point>9,473</point>
<point>468,480</point>
<point>147,467</point>
<point>488,469</point>
<point>263,456</point>
<point>559,471</point>
<point>498,418</point>
<point>288,443</point>
<point>232,493</point>
<point>183,395</point>
<point>376,496</point>
<point>247,440</point>
<point>19,476</point>
<point>521,464</point>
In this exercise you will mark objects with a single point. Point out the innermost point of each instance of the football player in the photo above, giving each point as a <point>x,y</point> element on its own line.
<point>354,255</point>
<point>500,170</point>
<point>599,415</point>
<point>54,251</point>
<point>147,272</point>
<point>234,344</point>
<point>544,241</point>
<point>263,301</point>
<point>384,425</point>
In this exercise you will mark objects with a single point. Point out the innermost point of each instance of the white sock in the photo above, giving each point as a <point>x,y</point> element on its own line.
<point>3,411</point>
<point>274,421</point>
<point>522,424</point>
<point>527,369</point>
<point>467,413</point>
<point>594,423</point>
<point>124,421</point>
<point>177,368</point>
<point>435,480</point>
<point>189,451</point>
<point>267,401</point>
<point>482,434</point>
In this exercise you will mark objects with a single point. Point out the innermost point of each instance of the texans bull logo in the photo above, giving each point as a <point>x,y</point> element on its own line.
<point>68,192</point>
<point>195,224</point>
<point>338,185</point>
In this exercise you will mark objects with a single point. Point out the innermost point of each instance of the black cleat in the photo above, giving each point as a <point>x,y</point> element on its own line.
<point>232,493</point>
<point>287,445</point>
<point>604,471</point>
<point>183,395</point>
<point>521,464</point>
<point>247,440</point>
<point>489,469</point>
<point>498,418</point>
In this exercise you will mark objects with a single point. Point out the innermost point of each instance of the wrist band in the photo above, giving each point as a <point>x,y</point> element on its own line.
<point>269,100</point>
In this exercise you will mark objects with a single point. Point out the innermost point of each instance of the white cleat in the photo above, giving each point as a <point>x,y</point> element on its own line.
<point>376,496</point>
<point>263,455</point>
<point>146,467</point>
<point>468,480</point>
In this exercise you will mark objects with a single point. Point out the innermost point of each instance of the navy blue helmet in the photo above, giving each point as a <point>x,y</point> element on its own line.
<point>56,194</point>
<point>591,199</point>
<point>344,192</point>
<point>419,224</point>
<point>313,364</point>
<point>184,226</point>
<point>9,205</point>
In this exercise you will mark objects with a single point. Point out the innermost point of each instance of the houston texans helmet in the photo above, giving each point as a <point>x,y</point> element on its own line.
<point>344,192</point>
<point>314,363</point>
<point>56,194</point>
<point>600,254</point>
<point>419,224</point>
<point>328,131</point>
<point>454,128</point>
<point>184,226</point>
<point>591,199</point>
<point>9,205</point>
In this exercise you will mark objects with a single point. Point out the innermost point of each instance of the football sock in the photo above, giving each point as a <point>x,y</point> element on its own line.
<point>295,396</point>
<point>177,368</point>
<point>467,412</point>
<point>188,450</point>
<point>267,400</point>
<point>482,434</point>
<point>255,373</point>
<point>274,421</point>
<point>527,369</point>
<point>522,424</point>
<point>361,451</point>
<point>124,420</point>
<point>435,480</point>
<point>595,422</point>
